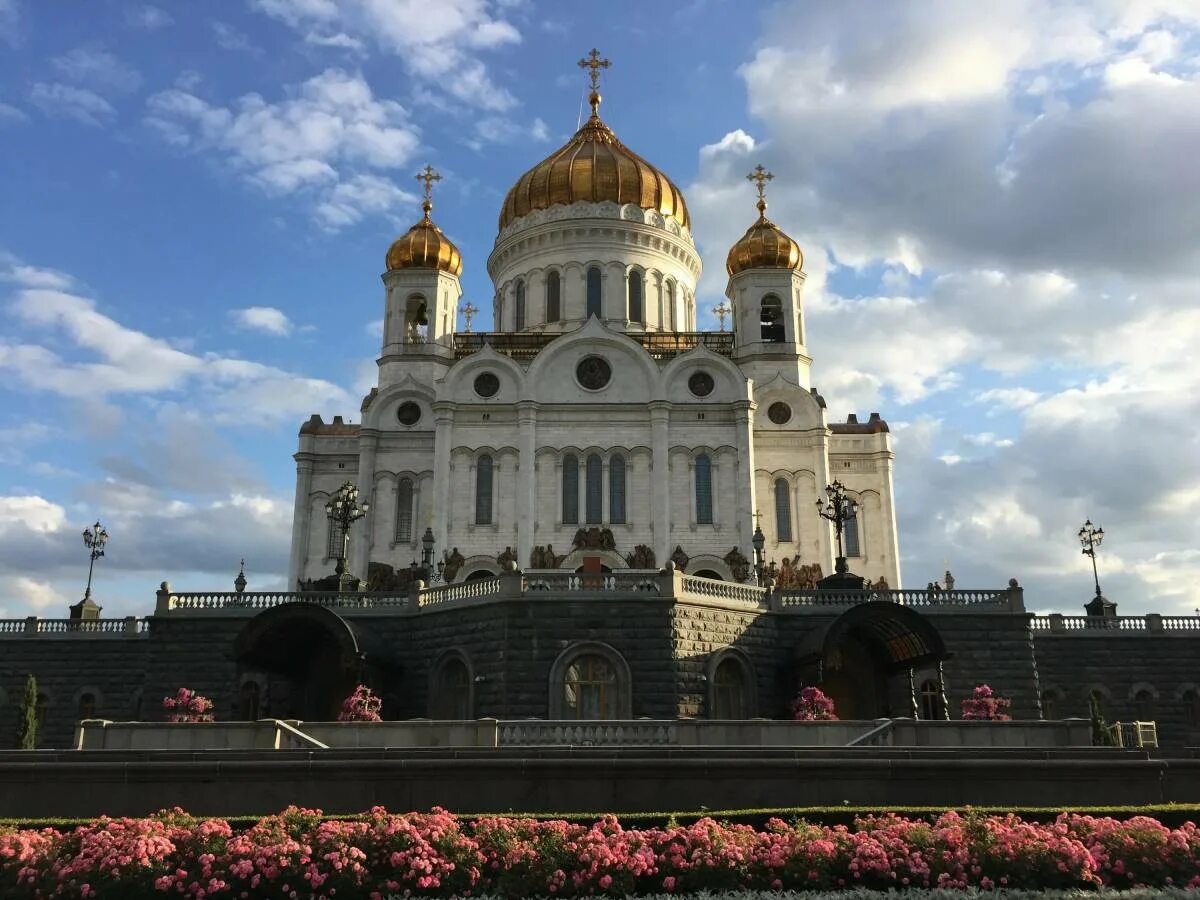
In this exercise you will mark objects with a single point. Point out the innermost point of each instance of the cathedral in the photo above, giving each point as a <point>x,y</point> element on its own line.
<point>595,424</point>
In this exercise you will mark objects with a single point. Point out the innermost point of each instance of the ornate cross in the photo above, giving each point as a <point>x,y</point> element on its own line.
<point>429,176</point>
<point>758,519</point>
<point>595,63</point>
<point>722,311</point>
<point>468,312</point>
<point>760,177</point>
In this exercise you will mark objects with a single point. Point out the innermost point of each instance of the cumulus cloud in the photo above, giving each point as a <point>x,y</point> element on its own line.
<point>437,43</point>
<point>69,102</point>
<point>323,140</point>
<point>98,70</point>
<point>10,114</point>
<point>149,17</point>
<point>266,319</point>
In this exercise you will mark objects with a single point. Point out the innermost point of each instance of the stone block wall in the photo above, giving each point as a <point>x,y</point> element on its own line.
<point>990,648</point>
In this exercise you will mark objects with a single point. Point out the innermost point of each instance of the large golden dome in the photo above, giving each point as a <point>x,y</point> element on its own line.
<point>764,245</point>
<point>424,247</point>
<point>593,166</point>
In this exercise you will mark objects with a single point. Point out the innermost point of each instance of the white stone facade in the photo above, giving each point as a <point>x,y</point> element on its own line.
<point>678,449</point>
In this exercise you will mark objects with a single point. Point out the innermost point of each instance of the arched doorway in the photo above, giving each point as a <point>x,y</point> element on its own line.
<point>310,659</point>
<point>864,659</point>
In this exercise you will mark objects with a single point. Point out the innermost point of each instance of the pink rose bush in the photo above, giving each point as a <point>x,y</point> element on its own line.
<point>984,703</point>
<point>301,854</point>
<point>188,706</point>
<point>361,706</point>
<point>812,705</point>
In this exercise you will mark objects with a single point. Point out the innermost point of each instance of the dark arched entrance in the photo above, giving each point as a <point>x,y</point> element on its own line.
<point>864,659</point>
<point>309,657</point>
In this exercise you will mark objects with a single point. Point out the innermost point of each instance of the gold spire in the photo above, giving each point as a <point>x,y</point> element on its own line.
<point>595,63</point>
<point>764,245</point>
<point>429,176</point>
<point>760,177</point>
<point>424,246</point>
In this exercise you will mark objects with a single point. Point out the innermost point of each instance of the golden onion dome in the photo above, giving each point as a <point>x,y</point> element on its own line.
<point>764,245</point>
<point>594,166</point>
<point>424,246</point>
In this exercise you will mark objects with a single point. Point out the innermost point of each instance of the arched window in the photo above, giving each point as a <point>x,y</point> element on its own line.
<point>616,490</point>
<point>404,510</point>
<point>1191,708</point>
<point>672,313</point>
<point>931,700</point>
<point>772,320</point>
<point>452,691</point>
<point>636,312</point>
<point>594,287</point>
<point>1050,706</point>
<point>1143,705</point>
<point>570,489</point>
<point>730,689</point>
<point>850,534</point>
<point>336,543</point>
<point>249,701</point>
<point>553,296</point>
<point>590,689</point>
<point>483,491</point>
<point>783,510</point>
<point>594,493</point>
<point>519,308</point>
<point>87,705</point>
<point>704,505</point>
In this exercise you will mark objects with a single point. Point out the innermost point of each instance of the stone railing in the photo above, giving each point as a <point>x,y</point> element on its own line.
<point>130,626</point>
<point>1151,623</point>
<point>453,594</point>
<point>169,601</point>
<point>1004,600</point>
<point>709,588</point>
<point>524,346</point>
<point>588,734</point>
<point>628,582</point>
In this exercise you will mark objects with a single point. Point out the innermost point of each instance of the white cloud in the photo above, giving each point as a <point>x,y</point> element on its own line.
<point>1008,398</point>
<point>341,41</point>
<point>97,69</point>
<point>10,21</point>
<point>229,38</point>
<point>319,140</point>
<point>65,101</point>
<point>149,17</point>
<point>10,114</point>
<point>30,513</point>
<point>266,319</point>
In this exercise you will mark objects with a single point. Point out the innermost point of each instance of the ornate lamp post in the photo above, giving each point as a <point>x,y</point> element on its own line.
<point>343,509</point>
<point>758,542</point>
<point>838,509</point>
<point>427,551</point>
<point>94,538</point>
<point>1091,536</point>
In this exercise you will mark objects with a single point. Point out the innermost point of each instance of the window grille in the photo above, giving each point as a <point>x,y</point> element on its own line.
<point>404,511</point>
<point>483,491</point>
<point>704,505</point>
<point>570,490</point>
<point>594,498</point>
<point>783,510</point>
<point>616,490</point>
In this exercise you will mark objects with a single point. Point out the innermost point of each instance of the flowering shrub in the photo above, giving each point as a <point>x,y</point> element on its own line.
<point>361,706</point>
<point>985,704</point>
<point>299,854</point>
<point>813,705</point>
<point>188,706</point>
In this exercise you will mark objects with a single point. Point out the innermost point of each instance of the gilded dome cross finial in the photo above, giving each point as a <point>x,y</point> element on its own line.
<point>595,63</point>
<point>760,177</point>
<point>428,176</point>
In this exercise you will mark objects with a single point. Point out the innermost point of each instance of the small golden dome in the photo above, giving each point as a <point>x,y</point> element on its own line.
<point>593,166</point>
<point>764,245</point>
<point>424,246</point>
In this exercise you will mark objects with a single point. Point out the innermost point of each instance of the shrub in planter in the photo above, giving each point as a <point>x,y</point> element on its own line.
<point>812,705</point>
<point>361,706</point>
<point>985,704</point>
<point>188,706</point>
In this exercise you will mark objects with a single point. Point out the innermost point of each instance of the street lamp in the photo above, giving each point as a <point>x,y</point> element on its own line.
<point>758,542</point>
<point>427,551</point>
<point>94,539</point>
<point>838,509</point>
<point>1090,536</point>
<point>343,510</point>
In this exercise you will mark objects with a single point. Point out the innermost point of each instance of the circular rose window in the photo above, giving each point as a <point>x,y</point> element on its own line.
<point>487,384</point>
<point>779,413</point>
<point>700,384</point>
<point>408,413</point>
<point>593,372</point>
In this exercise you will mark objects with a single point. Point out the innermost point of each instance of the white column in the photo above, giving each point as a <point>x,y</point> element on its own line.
<point>298,561</point>
<point>655,278</point>
<point>746,502</point>
<point>362,531</point>
<point>526,480</point>
<point>443,435</point>
<point>660,480</point>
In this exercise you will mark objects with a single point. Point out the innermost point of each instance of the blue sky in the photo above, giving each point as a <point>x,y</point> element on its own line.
<point>998,209</point>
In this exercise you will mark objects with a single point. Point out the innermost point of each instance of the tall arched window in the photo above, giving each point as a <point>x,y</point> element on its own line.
<point>616,490</point>
<point>931,700</point>
<point>404,510</point>
<point>672,313</point>
<point>570,489</point>
<point>772,320</point>
<point>850,534</point>
<point>452,691</point>
<point>519,308</point>
<point>704,505</point>
<point>783,510</point>
<point>483,491</point>
<point>636,313</point>
<point>729,690</point>
<point>594,491</point>
<point>553,296</point>
<point>590,689</point>
<point>594,288</point>
<point>249,701</point>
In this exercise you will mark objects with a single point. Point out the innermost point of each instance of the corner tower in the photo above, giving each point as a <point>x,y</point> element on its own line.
<point>766,277</point>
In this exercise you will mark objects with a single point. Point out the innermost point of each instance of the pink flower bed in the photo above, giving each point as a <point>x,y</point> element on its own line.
<point>986,704</point>
<point>297,854</point>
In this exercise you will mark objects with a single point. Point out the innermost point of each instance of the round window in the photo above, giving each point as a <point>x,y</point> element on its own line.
<point>408,413</point>
<point>701,384</point>
<point>593,372</point>
<point>779,413</point>
<point>487,384</point>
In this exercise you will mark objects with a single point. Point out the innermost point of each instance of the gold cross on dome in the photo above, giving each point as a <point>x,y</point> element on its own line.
<point>595,63</point>
<point>722,311</point>
<point>760,177</point>
<point>428,176</point>
<point>468,312</point>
